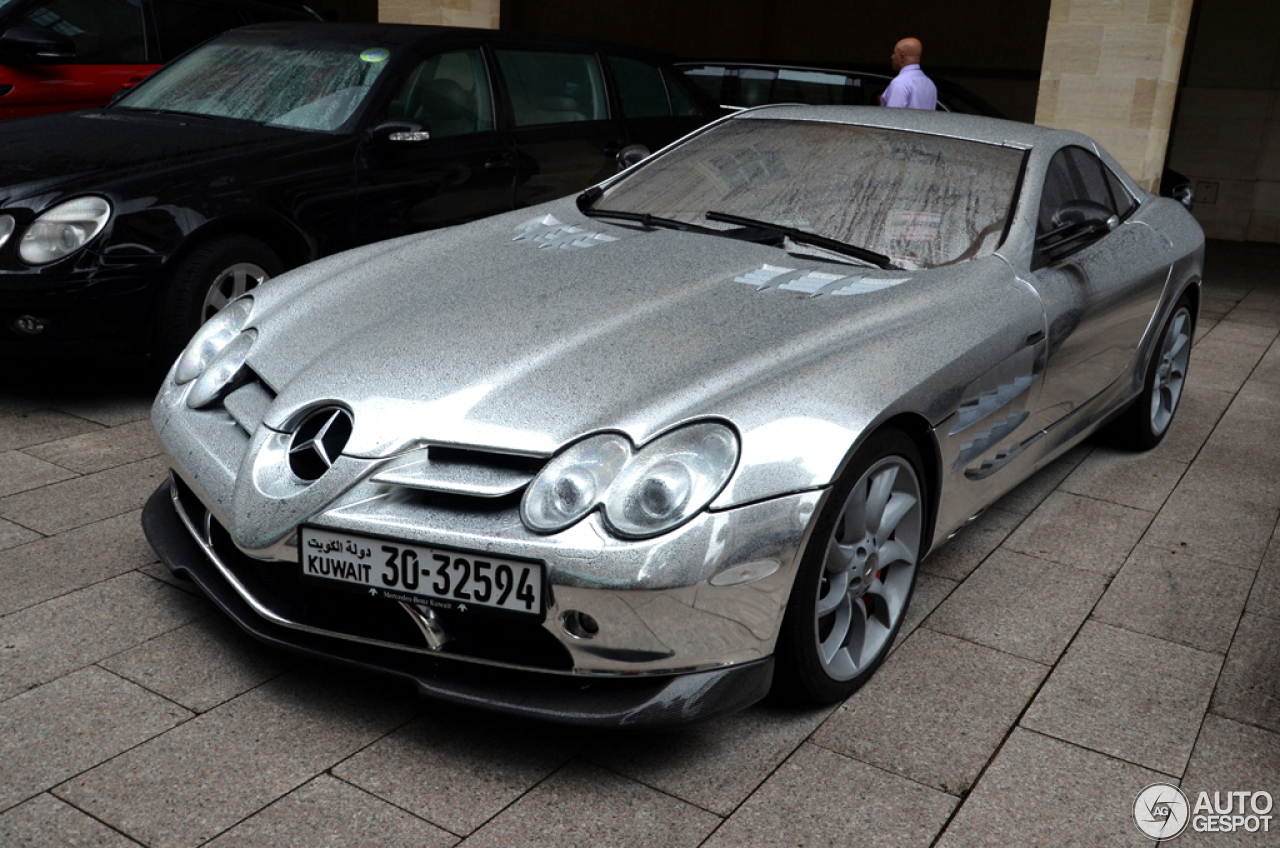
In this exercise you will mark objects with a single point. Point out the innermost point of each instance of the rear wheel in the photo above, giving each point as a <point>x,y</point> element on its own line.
<point>205,280</point>
<point>1144,424</point>
<point>856,576</point>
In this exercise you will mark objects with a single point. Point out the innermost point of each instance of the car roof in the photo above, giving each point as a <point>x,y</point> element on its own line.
<point>970,127</point>
<point>412,35</point>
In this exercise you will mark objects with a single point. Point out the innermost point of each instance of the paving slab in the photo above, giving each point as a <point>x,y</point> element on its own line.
<point>1129,695</point>
<point>1041,791</point>
<point>1200,522</point>
<point>1087,533</point>
<point>819,797</point>
<point>1233,757</point>
<point>12,535</point>
<point>111,408</point>
<point>957,559</point>
<point>190,784</point>
<point>202,664</point>
<point>1177,596</point>
<point>1264,599</point>
<point>1221,366</point>
<point>935,712</point>
<point>582,805</point>
<point>20,472</point>
<point>45,821</point>
<point>1125,477</point>
<point>1233,331</point>
<point>1249,690</point>
<point>1021,605</point>
<point>929,592</point>
<point>46,641</point>
<point>327,813</point>
<point>62,728</point>
<point>84,500</point>
<point>458,768</point>
<point>1229,473</point>
<point>40,425</point>
<point>102,449</point>
<point>715,765</point>
<point>53,566</point>
<point>1031,492</point>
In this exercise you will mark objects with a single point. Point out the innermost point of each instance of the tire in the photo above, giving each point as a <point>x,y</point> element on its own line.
<point>206,279</point>
<point>1143,425</point>
<point>856,576</point>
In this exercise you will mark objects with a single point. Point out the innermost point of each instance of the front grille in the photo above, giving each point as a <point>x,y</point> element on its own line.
<point>278,587</point>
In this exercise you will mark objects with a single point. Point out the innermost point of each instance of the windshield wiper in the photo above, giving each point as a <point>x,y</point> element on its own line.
<point>646,219</point>
<point>834,245</point>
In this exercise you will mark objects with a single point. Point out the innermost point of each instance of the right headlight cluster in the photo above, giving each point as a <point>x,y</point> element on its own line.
<point>216,353</point>
<point>643,493</point>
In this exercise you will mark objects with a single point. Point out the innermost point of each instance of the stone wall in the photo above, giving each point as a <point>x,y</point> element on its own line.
<point>483,14</point>
<point>1226,134</point>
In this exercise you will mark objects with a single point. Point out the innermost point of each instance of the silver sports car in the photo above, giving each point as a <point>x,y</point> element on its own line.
<point>631,458</point>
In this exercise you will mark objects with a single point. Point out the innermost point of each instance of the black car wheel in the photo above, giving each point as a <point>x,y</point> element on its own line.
<point>207,279</point>
<point>1144,424</point>
<point>857,574</point>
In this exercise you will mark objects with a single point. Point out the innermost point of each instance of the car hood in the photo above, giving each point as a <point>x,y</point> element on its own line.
<point>516,334</point>
<point>93,148</point>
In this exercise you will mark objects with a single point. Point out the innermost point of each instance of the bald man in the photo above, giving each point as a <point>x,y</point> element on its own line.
<point>910,89</point>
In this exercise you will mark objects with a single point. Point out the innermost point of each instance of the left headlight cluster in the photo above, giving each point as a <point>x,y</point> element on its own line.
<point>63,230</point>
<point>216,353</point>
<point>643,493</point>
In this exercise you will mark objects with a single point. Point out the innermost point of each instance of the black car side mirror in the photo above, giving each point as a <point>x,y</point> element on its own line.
<point>1075,224</point>
<point>35,45</point>
<point>632,154</point>
<point>394,134</point>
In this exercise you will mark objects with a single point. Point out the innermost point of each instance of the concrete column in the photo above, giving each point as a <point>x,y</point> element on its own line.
<point>460,13</point>
<point>1111,71</point>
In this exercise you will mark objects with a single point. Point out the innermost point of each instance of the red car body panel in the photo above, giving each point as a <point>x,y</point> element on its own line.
<point>39,89</point>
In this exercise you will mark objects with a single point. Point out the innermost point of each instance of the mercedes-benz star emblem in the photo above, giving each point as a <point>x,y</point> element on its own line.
<point>318,442</point>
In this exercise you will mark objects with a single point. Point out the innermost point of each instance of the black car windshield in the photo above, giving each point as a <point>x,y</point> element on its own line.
<point>316,86</point>
<point>922,200</point>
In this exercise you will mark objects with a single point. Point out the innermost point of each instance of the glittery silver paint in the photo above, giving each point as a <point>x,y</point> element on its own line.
<point>507,336</point>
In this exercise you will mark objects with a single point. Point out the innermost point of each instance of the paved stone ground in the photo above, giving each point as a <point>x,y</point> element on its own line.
<point>1113,622</point>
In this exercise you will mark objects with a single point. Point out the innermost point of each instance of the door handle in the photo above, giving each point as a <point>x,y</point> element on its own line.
<point>494,163</point>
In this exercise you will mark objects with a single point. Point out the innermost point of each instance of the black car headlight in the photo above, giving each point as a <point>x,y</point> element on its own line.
<point>63,230</point>
<point>644,493</point>
<point>216,352</point>
<point>6,228</point>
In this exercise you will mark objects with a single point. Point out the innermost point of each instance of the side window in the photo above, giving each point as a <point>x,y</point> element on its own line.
<point>640,86</point>
<point>755,86</point>
<point>1125,202</point>
<point>448,94</point>
<point>817,88</point>
<point>553,88</point>
<point>681,104</point>
<point>1074,175</point>
<point>182,25</point>
<point>105,32</point>
<point>709,78</point>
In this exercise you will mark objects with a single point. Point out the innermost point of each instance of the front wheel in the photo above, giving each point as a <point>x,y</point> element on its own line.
<point>1144,424</point>
<point>208,278</point>
<point>856,576</point>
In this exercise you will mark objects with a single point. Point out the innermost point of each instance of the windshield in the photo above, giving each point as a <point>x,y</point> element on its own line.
<point>921,200</point>
<point>312,87</point>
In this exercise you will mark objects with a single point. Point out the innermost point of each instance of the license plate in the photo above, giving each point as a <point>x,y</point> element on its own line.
<point>436,577</point>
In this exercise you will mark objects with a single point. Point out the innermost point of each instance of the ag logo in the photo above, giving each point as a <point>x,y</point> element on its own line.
<point>1161,811</point>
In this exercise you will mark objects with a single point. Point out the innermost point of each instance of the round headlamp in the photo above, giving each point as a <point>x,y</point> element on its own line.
<point>222,370</point>
<point>670,480</point>
<point>63,230</point>
<point>6,228</point>
<point>643,494</point>
<point>211,338</point>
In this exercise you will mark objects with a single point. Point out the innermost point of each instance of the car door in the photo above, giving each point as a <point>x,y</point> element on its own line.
<point>1100,295</point>
<point>110,54</point>
<point>460,167</point>
<point>655,108</point>
<point>566,139</point>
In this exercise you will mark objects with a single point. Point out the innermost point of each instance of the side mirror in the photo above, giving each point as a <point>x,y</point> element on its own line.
<point>396,133</point>
<point>632,154</point>
<point>1075,224</point>
<point>33,45</point>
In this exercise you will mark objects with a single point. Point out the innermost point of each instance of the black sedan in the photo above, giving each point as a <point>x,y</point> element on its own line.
<point>123,228</point>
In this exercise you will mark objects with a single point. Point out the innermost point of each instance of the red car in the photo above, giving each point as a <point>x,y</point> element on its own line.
<point>73,54</point>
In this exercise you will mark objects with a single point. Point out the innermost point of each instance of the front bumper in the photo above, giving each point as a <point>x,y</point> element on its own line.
<point>642,701</point>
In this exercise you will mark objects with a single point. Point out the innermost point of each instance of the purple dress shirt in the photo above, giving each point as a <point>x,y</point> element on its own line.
<point>911,89</point>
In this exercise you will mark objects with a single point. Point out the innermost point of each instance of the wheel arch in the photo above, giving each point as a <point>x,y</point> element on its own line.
<point>292,247</point>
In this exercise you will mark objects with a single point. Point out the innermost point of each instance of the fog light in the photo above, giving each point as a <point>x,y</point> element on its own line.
<point>579,625</point>
<point>29,325</point>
